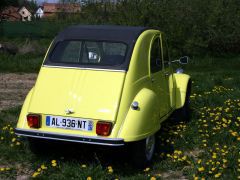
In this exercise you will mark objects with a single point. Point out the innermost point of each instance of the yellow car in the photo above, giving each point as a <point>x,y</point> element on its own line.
<point>105,85</point>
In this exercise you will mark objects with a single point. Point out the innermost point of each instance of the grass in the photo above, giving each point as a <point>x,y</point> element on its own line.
<point>207,147</point>
<point>20,63</point>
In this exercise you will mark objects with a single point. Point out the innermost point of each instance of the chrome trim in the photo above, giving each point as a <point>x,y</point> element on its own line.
<point>94,69</point>
<point>70,138</point>
<point>179,71</point>
<point>135,105</point>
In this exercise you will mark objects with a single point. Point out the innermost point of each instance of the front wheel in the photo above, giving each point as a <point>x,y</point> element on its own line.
<point>183,114</point>
<point>142,151</point>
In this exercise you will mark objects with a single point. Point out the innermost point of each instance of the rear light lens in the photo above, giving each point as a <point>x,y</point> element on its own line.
<point>103,128</point>
<point>33,120</point>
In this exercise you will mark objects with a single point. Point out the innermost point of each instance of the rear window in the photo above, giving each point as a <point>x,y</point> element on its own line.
<point>80,52</point>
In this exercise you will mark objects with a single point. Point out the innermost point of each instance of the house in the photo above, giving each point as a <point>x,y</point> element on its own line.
<point>25,14</point>
<point>10,13</point>
<point>39,13</point>
<point>51,9</point>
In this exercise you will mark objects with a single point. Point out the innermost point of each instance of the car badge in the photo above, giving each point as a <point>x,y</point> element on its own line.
<point>69,111</point>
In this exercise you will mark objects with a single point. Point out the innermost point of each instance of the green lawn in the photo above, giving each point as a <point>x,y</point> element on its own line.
<point>206,147</point>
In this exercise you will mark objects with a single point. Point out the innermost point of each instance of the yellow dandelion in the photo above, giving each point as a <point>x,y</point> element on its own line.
<point>234,134</point>
<point>43,166</point>
<point>110,170</point>
<point>89,178</point>
<point>201,169</point>
<point>2,169</point>
<point>153,178</point>
<point>18,143</point>
<point>35,174</point>
<point>224,160</point>
<point>217,175</point>
<point>53,161</point>
<point>83,165</point>
<point>54,164</point>
<point>147,169</point>
<point>184,158</point>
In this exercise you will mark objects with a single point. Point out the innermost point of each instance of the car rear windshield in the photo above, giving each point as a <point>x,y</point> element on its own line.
<point>81,52</point>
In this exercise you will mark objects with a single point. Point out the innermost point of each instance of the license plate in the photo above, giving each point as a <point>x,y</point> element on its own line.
<point>69,123</point>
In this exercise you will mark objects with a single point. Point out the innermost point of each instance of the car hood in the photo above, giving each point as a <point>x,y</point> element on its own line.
<point>91,94</point>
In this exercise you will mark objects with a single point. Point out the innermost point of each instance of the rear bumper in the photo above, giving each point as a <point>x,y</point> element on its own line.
<point>70,138</point>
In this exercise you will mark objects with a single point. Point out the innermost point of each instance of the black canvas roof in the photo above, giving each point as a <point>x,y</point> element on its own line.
<point>125,34</point>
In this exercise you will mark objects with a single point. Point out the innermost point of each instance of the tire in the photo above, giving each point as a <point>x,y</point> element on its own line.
<point>38,146</point>
<point>142,151</point>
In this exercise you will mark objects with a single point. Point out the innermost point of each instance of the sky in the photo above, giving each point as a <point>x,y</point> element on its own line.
<point>41,1</point>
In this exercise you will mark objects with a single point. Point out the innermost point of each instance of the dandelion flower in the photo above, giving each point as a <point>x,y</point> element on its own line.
<point>18,143</point>
<point>35,174</point>
<point>201,169</point>
<point>89,178</point>
<point>83,165</point>
<point>146,170</point>
<point>43,166</point>
<point>217,175</point>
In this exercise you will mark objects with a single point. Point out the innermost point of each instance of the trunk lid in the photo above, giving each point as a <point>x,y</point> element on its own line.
<point>93,94</point>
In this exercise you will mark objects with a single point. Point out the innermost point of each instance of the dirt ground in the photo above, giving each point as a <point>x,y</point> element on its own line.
<point>14,88</point>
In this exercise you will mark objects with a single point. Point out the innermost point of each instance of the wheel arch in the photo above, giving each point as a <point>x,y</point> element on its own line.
<point>183,84</point>
<point>143,122</point>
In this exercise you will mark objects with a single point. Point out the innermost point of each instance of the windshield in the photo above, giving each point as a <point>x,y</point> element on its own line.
<point>81,52</point>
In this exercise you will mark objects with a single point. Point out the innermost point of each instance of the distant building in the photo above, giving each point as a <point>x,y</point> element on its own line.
<point>39,13</point>
<point>10,13</point>
<point>51,9</point>
<point>25,14</point>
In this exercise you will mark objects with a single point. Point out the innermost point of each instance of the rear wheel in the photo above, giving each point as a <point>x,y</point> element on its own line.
<point>142,151</point>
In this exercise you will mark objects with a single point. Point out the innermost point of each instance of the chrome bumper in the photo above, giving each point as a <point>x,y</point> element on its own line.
<point>70,138</point>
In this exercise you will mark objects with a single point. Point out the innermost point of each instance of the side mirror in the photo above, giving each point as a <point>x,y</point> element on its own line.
<point>183,60</point>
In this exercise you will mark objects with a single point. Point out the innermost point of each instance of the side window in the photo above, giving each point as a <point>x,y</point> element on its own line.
<point>165,52</point>
<point>155,56</point>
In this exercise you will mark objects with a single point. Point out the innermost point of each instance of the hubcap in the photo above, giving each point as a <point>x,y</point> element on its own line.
<point>150,145</point>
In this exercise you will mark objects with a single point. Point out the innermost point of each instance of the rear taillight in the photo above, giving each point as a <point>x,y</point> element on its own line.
<point>103,128</point>
<point>33,120</point>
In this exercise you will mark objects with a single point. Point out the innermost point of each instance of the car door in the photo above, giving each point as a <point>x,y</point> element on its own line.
<point>168,73</point>
<point>157,76</point>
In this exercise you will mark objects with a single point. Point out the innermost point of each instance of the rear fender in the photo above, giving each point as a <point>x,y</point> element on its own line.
<point>182,82</point>
<point>144,121</point>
